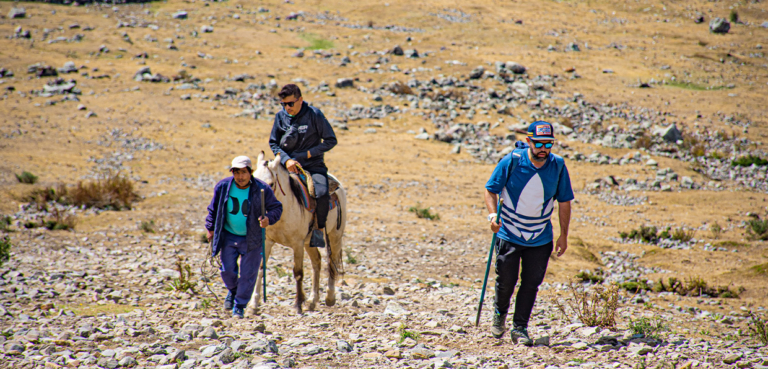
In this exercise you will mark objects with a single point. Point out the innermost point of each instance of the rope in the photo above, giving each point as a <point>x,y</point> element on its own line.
<point>214,263</point>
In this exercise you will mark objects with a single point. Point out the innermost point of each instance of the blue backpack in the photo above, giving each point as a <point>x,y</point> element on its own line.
<point>520,149</point>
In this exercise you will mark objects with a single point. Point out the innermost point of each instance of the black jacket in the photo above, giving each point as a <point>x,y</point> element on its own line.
<point>309,131</point>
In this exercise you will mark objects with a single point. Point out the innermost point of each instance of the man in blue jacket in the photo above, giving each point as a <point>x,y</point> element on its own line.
<point>234,224</point>
<point>530,181</point>
<point>302,135</point>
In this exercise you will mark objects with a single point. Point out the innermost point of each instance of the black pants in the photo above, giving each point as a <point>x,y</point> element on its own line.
<point>320,180</point>
<point>508,260</point>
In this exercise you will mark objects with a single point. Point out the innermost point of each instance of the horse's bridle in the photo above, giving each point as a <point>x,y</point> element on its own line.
<point>277,180</point>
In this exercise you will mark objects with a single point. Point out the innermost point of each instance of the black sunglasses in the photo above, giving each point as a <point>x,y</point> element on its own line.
<point>288,104</point>
<point>538,145</point>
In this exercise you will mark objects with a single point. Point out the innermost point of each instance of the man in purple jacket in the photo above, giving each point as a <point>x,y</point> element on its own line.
<point>234,225</point>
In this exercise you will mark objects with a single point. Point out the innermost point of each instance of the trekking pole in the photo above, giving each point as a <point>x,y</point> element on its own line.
<point>263,250</point>
<point>488,265</point>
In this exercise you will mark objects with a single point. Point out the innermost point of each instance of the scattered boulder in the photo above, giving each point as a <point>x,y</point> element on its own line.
<point>411,53</point>
<point>477,72</point>
<point>21,33</point>
<point>17,13</point>
<point>69,67</point>
<point>670,133</point>
<point>345,82</point>
<point>719,26</point>
<point>515,67</point>
<point>180,15</point>
<point>397,50</point>
<point>206,29</point>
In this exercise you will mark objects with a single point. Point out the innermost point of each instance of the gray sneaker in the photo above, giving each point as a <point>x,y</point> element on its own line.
<point>520,335</point>
<point>499,326</point>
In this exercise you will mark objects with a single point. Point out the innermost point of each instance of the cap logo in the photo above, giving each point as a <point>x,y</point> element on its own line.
<point>544,130</point>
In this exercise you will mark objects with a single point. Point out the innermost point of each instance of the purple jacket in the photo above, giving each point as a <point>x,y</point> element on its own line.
<point>217,212</point>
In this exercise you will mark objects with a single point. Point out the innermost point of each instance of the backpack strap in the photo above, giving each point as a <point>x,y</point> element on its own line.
<point>560,164</point>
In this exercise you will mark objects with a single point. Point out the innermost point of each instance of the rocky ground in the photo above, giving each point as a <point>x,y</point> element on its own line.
<point>654,105</point>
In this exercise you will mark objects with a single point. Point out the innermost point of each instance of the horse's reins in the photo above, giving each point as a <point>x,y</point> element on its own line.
<point>277,180</point>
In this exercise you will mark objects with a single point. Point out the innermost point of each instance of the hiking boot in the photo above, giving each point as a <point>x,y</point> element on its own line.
<point>498,328</point>
<point>520,335</point>
<point>318,238</point>
<point>238,312</point>
<point>229,301</point>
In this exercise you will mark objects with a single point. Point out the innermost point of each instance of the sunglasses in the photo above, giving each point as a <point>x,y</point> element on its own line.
<point>539,145</point>
<point>288,104</point>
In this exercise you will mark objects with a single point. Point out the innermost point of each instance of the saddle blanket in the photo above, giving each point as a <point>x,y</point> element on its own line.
<point>308,201</point>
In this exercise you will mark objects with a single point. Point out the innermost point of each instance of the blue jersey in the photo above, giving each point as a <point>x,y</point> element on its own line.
<point>529,197</point>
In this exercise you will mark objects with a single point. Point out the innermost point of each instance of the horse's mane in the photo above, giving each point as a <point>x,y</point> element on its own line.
<point>295,189</point>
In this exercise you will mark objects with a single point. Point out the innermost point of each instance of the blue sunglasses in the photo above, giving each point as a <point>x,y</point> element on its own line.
<point>539,145</point>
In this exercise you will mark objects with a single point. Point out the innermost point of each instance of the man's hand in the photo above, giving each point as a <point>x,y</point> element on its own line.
<point>562,245</point>
<point>495,226</point>
<point>264,222</point>
<point>309,155</point>
<point>210,236</point>
<point>292,165</point>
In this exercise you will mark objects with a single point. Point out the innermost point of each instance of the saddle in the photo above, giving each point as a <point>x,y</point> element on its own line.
<point>307,190</point>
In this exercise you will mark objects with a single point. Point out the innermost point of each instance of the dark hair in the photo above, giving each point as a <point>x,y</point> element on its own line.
<point>250,170</point>
<point>289,90</point>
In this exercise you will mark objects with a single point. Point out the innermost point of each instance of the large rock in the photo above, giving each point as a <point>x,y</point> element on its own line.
<point>345,82</point>
<point>477,72</point>
<point>397,50</point>
<point>17,13</point>
<point>521,88</point>
<point>719,25</point>
<point>515,67</point>
<point>180,15</point>
<point>669,133</point>
<point>69,67</point>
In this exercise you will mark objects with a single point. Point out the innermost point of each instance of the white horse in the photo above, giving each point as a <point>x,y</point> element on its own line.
<point>293,231</point>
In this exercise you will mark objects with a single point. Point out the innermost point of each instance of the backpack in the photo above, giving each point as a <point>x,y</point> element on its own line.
<point>520,149</point>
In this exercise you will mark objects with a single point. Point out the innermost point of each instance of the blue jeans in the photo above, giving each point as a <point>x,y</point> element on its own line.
<point>234,247</point>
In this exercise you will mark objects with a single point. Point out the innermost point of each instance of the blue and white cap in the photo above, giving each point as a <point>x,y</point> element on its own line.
<point>541,130</point>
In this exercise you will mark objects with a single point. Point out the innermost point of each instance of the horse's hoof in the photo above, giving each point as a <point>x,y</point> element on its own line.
<point>298,310</point>
<point>251,311</point>
<point>312,306</point>
<point>330,301</point>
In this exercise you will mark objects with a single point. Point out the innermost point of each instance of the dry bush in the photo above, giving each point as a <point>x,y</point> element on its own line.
<point>448,94</point>
<point>643,142</point>
<point>399,88</point>
<point>113,193</point>
<point>595,308</point>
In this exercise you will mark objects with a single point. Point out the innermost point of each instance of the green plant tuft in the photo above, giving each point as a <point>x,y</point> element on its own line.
<point>747,161</point>
<point>405,333</point>
<point>5,223</point>
<point>648,327</point>
<point>316,42</point>
<point>758,229</point>
<point>595,308</point>
<point>26,177</point>
<point>351,259</point>
<point>149,226</point>
<point>758,328</point>
<point>5,250</point>
<point>423,213</point>
<point>588,276</point>
<point>184,282</point>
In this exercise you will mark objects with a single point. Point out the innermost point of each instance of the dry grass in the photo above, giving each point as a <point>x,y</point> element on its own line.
<point>113,193</point>
<point>595,308</point>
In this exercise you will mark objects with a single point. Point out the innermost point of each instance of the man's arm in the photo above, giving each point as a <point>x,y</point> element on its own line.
<point>491,201</point>
<point>564,212</point>
<point>210,220</point>
<point>273,207</point>
<point>325,131</point>
<point>274,142</point>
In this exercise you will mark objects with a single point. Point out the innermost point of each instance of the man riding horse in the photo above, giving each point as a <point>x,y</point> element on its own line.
<point>301,135</point>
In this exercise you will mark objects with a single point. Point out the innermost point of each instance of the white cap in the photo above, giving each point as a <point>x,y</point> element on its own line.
<point>241,162</point>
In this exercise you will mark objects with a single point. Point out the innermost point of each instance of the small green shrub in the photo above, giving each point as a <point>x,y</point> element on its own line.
<point>758,229</point>
<point>635,286</point>
<point>205,304</point>
<point>747,161</point>
<point>648,327</point>
<point>588,276</point>
<point>760,268</point>
<point>351,259</point>
<point>26,177</point>
<point>405,333</point>
<point>645,234</point>
<point>184,282</point>
<point>758,328</point>
<point>5,223</point>
<point>423,213</point>
<point>733,16</point>
<point>682,235</point>
<point>60,222</point>
<point>716,230</point>
<point>5,250</point>
<point>149,226</point>
<point>643,142</point>
<point>280,272</point>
